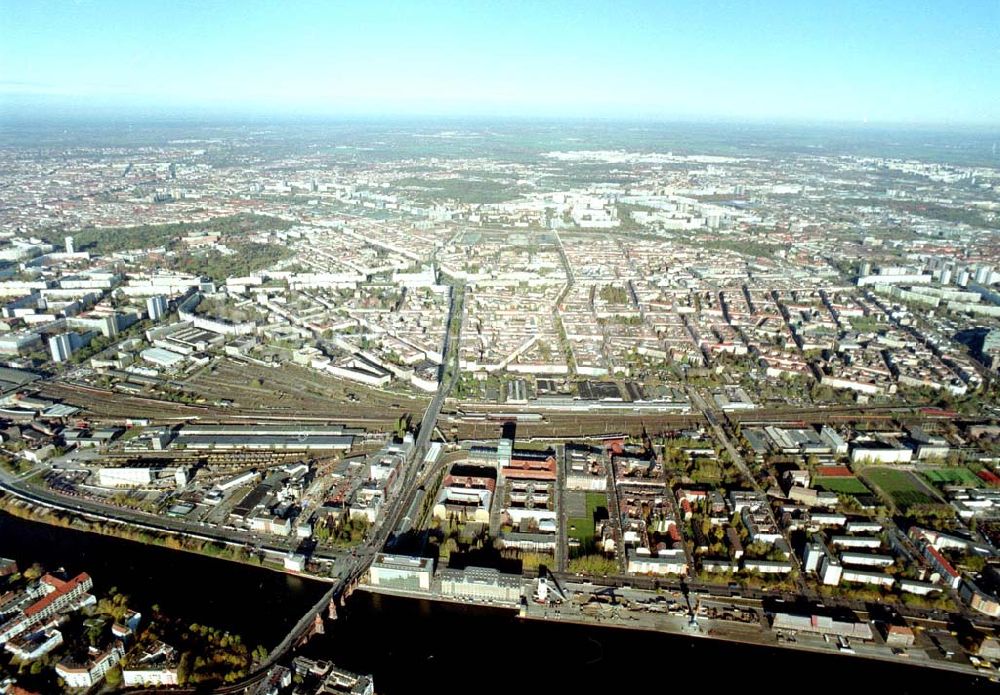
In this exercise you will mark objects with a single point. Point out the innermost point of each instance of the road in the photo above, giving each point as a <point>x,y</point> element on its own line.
<point>359,563</point>
<point>18,487</point>
<point>562,550</point>
<point>737,459</point>
<point>615,513</point>
<point>356,564</point>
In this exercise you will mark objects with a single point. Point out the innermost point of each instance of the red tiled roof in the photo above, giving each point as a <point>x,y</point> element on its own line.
<point>61,588</point>
<point>942,561</point>
<point>55,582</point>
<point>937,412</point>
<point>470,481</point>
<point>544,469</point>
<point>547,462</point>
<point>529,474</point>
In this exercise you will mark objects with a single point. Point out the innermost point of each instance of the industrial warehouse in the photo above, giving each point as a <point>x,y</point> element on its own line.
<point>247,437</point>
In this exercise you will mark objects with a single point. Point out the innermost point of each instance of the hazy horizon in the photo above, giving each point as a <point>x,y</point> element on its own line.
<point>14,112</point>
<point>936,65</point>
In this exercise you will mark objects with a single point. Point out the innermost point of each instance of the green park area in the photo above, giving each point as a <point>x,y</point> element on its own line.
<point>902,487</point>
<point>588,559</point>
<point>582,527</point>
<point>956,475</point>
<point>107,240</point>
<point>844,485</point>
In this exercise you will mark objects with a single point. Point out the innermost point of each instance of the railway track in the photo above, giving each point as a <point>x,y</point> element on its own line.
<point>111,405</point>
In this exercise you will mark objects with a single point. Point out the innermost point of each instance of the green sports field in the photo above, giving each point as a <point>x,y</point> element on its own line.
<point>846,485</point>
<point>903,487</point>
<point>957,475</point>
<point>583,527</point>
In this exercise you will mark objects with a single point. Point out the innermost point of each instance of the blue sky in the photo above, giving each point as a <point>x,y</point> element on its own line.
<point>878,60</point>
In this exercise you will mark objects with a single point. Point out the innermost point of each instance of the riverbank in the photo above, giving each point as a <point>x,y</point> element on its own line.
<point>22,507</point>
<point>755,635</point>
<point>192,587</point>
<point>415,635</point>
<point>465,648</point>
<point>431,596</point>
<point>724,631</point>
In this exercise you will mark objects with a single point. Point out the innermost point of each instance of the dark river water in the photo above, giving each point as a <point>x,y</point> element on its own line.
<point>427,647</point>
<point>255,603</point>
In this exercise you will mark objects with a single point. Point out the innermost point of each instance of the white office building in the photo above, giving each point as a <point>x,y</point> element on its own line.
<point>402,572</point>
<point>87,674</point>
<point>812,556</point>
<point>60,347</point>
<point>156,307</point>
<point>481,584</point>
<point>830,570</point>
<point>124,477</point>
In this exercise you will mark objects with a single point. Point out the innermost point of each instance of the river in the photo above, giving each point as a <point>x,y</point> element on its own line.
<point>413,646</point>
<point>255,603</point>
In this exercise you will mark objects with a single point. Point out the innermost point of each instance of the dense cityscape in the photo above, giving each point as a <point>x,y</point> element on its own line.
<point>676,389</point>
<point>599,347</point>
